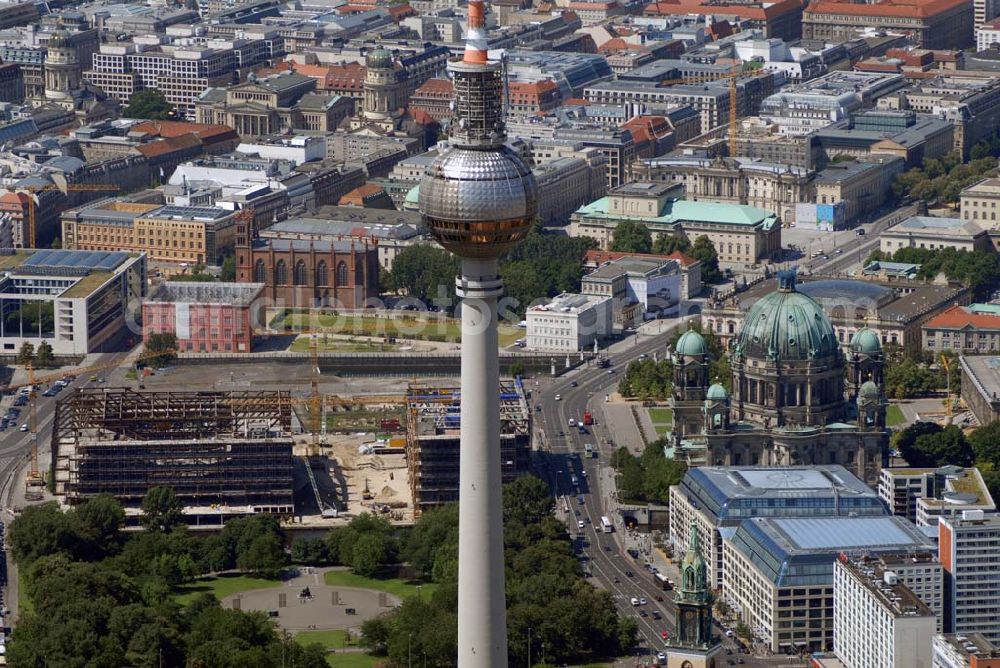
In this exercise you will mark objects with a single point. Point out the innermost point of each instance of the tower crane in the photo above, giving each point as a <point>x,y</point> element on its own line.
<point>33,482</point>
<point>32,239</point>
<point>946,363</point>
<point>734,116</point>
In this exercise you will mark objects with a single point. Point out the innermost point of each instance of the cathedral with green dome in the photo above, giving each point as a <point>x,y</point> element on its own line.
<point>794,396</point>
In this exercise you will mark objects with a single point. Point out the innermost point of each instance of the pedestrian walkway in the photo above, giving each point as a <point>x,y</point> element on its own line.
<point>619,421</point>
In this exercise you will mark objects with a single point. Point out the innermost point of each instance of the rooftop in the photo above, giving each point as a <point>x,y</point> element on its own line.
<point>189,213</point>
<point>894,8</point>
<point>984,372</point>
<point>886,588</point>
<point>929,225</point>
<point>682,211</point>
<point>86,260</point>
<point>569,303</point>
<point>194,292</point>
<point>969,645</point>
<point>961,317</point>
<point>984,187</point>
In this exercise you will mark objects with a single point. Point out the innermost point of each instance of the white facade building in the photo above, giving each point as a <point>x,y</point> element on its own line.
<point>969,548</point>
<point>877,621</point>
<point>299,149</point>
<point>569,323</point>
<point>964,651</point>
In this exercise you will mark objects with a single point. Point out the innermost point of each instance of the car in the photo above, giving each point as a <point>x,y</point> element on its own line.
<point>572,422</point>
<point>93,379</point>
<point>579,525</point>
<point>839,251</point>
<point>860,233</point>
<point>635,601</point>
<point>661,658</point>
<point>659,598</point>
<point>558,397</point>
<point>656,614</point>
<point>642,601</point>
<point>101,379</point>
<point>643,613</point>
<point>24,427</point>
<point>643,356</point>
<point>664,635</point>
<point>611,371</point>
<point>826,257</point>
<point>583,473</point>
<point>628,574</point>
<point>729,633</point>
<point>617,581</point>
<point>49,393</point>
<point>573,384</point>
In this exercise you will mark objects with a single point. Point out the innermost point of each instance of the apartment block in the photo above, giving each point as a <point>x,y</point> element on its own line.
<point>877,620</point>
<point>969,550</point>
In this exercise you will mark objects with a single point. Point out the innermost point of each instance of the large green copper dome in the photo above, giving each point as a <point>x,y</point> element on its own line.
<point>691,343</point>
<point>786,325</point>
<point>866,341</point>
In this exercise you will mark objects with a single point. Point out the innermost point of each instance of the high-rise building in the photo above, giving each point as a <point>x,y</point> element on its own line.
<point>877,620</point>
<point>969,550</point>
<point>960,651</point>
<point>479,200</point>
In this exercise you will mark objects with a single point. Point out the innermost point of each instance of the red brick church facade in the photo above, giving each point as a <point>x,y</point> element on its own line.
<point>306,274</point>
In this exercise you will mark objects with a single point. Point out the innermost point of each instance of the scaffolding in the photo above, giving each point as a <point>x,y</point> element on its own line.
<point>433,431</point>
<point>217,450</point>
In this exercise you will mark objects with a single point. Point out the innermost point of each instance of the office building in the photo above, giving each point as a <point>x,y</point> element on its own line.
<point>877,620</point>
<point>943,24</point>
<point>904,134</point>
<point>971,650</point>
<point>963,329</point>
<point>569,323</point>
<point>782,19</point>
<point>653,284</point>
<point>691,284</point>
<point>719,498</point>
<point>205,317</point>
<point>778,573</point>
<point>855,190</point>
<point>923,495</point>
<point>969,549</point>
<point>742,235</point>
<point>74,301</point>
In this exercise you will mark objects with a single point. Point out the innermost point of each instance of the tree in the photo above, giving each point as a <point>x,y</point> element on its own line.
<point>309,551</point>
<point>149,104</point>
<point>43,356</point>
<point>162,348</point>
<point>985,443</point>
<point>265,557</point>
<point>527,500</point>
<point>100,521</point>
<point>370,552</point>
<point>928,445</point>
<point>704,250</point>
<point>425,272</point>
<point>41,531</point>
<point>666,244</point>
<point>26,354</point>
<point>161,509</point>
<point>228,268</point>
<point>631,237</point>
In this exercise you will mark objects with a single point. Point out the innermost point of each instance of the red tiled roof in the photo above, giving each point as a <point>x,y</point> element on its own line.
<point>957,317</point>
<point>400,11</point>
<point>599,257</point>
<point>363,191</point>
<point>652,126</point>
<point>577,102</point>
<point>675,7</point>
<point>435,87</point>
<point>720,29</point>
<point>161,147</point>
<point>169,129</point>
<point>532,87</point>
<point>586,6</point>
<point>896,8</point>
<point>19,199</point>
<point>421,117</point>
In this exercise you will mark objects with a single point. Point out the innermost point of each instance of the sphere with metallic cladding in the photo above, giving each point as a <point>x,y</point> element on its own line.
<point>478,203</point>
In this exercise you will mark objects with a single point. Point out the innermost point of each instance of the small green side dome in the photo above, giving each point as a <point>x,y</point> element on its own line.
<point>717,393</point>
<point>691,343</point>
<point>869,390</point>
<point>866,341</point>
<point>379,58</point>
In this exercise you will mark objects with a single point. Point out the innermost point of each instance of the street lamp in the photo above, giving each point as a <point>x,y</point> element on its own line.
<point>409,654</point>
<point>529,647</point>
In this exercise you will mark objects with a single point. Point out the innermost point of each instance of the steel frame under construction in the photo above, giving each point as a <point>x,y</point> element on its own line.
<point>433,440</point>
<point>219,450</point>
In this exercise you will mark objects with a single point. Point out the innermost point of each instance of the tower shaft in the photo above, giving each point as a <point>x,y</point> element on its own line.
<point>482,628</point>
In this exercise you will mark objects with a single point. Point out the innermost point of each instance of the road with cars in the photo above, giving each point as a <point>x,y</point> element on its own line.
<point>561,461</point>
<point>856,250</point>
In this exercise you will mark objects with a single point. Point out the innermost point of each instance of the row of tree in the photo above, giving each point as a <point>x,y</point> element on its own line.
<point>368,544</point>
<point>942,179</point>
<point>40,357</point>
<point>541,266</point>
<point>631,236</point>
<point>574,622</point>
<point>648,477</point>
<point>100,597</point>
<point>647,379</point>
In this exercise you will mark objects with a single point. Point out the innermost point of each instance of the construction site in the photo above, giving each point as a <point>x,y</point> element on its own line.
<point>433,424</point>
<point>224,453</point>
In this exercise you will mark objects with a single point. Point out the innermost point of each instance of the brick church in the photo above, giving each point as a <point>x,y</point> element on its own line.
<point>306,273</point>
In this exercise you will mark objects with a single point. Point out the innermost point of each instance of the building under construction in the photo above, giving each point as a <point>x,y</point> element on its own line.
<point>433,423</point>
<point>223,453</point>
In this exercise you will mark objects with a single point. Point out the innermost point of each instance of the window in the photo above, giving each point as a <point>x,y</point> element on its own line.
<point>342,274</point>
<point>280,273</point>
<point>258,272</point>
<point>321,273</point>
<point>299,275</point>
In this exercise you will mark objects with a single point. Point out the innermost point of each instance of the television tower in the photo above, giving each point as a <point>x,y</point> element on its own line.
<point>479,200</point>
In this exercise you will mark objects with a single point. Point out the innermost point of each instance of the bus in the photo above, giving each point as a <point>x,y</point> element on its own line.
<point>588,450</point>
<point>661,581</point>
<point>606,525</point>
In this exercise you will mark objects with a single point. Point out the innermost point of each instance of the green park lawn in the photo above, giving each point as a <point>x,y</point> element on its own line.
<point>221,586</point>
<point>894,416</point>
<point>662,418</point>
<point>352,660</point>
<point>333,639</point>
<point>394,586</point>
<point>425,328</point>
<point>301,345</point>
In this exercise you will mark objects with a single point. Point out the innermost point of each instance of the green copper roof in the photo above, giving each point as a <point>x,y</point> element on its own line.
<point>717,393</point>
<point>413,196</point>
<point>691,343</point>
<point>681,211</point>
<point>869,390</point>
<point>866,341</point>
<point>786,325</point>
<point>379,58</point>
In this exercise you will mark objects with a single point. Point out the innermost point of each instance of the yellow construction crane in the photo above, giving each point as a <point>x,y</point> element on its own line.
<point>734,115</point>
<point>34,479</point>
<point>946,363</point>
<point>32,239</point>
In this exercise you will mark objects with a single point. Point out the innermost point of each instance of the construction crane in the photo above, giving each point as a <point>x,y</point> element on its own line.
<point>33,482</point>
<point>52,377</point>
<point>32,239</point>
<point>316,403</point>
<point>734,116</point>
<point>946,363</point>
